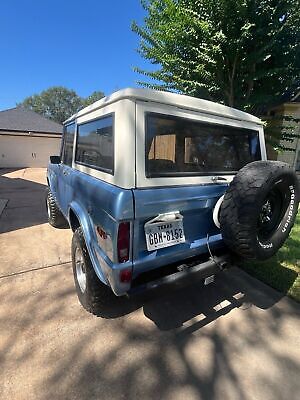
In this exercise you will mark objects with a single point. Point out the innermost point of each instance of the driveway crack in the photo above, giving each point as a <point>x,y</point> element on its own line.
<point>33,269</point>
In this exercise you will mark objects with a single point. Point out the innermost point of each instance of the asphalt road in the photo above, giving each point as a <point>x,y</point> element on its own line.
<point>235,339</point>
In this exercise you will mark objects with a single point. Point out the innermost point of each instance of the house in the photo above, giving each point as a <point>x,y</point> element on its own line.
<point>27,139</point>
<point>288,108</point>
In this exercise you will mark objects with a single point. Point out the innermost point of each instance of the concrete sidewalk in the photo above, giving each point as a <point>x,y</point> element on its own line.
<point>236,339</point>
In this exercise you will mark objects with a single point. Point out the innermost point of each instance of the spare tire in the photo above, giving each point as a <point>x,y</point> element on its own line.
<point>259,209</point>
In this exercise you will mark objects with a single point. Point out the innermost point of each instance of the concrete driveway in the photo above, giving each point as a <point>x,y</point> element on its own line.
<point>236,339</point>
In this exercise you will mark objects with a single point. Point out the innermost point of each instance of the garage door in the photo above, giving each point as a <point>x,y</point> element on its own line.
<point>23,151</point>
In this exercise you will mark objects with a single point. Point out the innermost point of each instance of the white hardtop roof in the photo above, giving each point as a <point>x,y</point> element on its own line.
<point>172,99</point>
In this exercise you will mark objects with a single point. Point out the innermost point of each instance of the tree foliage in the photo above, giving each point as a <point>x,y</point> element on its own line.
<point>97,95</point>
<point>282,132</point>
<point>58,103</point>
<point>243,53</point>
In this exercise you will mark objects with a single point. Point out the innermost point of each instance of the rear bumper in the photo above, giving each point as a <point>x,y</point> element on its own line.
<point>185,275</point>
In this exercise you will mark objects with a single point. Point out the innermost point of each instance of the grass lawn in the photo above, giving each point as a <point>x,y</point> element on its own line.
<point>282,271</point>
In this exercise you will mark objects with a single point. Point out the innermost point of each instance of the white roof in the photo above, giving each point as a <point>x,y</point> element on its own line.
<point>172,99</point>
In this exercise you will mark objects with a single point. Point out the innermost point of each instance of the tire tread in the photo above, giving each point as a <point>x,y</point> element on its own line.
<point>240,204</point>
<point>56,218</point>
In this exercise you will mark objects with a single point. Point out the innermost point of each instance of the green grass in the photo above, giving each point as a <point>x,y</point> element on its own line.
<point>282,271</point>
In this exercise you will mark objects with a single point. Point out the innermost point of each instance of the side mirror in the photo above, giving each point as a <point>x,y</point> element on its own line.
<point>55,160</point>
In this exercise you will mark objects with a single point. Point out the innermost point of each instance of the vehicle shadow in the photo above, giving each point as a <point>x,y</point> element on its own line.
<point>25,205</point>
<point>201,304</point>
<point>190,343</point>
<point>195,343</point>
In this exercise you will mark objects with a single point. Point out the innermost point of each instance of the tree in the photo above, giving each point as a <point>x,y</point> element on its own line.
<point>97,95</point>
<point>58,103</point>
<point>242,53</point>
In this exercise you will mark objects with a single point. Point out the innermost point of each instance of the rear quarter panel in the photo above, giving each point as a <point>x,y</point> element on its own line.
<point>97,203</point>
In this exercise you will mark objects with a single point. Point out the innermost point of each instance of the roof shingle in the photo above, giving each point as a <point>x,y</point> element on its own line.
<point>20,119</point>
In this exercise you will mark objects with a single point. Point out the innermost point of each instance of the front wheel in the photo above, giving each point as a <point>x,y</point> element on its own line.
<point>55,216</point>
<point>91,291</point>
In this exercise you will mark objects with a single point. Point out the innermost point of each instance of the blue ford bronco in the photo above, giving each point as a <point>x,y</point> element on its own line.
<point>161,189</point>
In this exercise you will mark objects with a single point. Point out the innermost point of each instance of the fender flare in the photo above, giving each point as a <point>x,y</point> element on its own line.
<point>87,227</point>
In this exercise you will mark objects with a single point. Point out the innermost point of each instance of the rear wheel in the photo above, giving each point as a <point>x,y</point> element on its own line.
<point>91,291</point>
<point>55,216</point>
<point>259,209</point>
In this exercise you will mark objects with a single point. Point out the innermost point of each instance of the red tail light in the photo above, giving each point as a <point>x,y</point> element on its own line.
<point>123,242</point>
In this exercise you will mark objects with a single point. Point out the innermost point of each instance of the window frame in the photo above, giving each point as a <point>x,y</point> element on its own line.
<point>172,109</point>
<point>94,167</point>
<point>63,147</point>
<point>171,174</point>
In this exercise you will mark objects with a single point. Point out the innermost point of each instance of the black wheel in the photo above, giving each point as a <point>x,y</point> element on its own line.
<point>259,209</point>
<point>55,216</point>
<point>91,292</point>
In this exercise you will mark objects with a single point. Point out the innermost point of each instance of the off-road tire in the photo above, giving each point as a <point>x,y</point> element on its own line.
<point>55,216</point>
<point>259,209</point>
<point>96,294</point>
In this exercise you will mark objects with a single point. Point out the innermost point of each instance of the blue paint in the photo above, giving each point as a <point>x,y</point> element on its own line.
<point>97,203</point>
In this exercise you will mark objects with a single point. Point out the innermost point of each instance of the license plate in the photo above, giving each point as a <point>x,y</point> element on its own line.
<point>164,234</point>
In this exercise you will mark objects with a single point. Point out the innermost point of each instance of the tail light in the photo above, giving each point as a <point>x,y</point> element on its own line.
<point>123,244</point>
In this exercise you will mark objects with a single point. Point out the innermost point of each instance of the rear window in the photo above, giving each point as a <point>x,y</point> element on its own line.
<point>95,144</point>
<point>178,147</point>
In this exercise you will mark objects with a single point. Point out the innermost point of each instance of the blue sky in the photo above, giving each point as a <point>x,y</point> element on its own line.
<point>83,45</point>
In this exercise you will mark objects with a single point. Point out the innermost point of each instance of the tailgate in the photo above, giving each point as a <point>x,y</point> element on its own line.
<point>194,203</point>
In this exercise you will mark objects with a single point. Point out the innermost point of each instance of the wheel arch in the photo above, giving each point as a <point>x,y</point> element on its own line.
<point>73,220</point>
<point>79,218</point>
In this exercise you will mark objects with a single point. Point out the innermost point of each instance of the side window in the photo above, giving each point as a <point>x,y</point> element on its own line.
<point>67,149</point>
<point>95,144</point>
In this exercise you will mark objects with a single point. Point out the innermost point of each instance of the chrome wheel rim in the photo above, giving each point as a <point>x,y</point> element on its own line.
<point>80,269</point>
